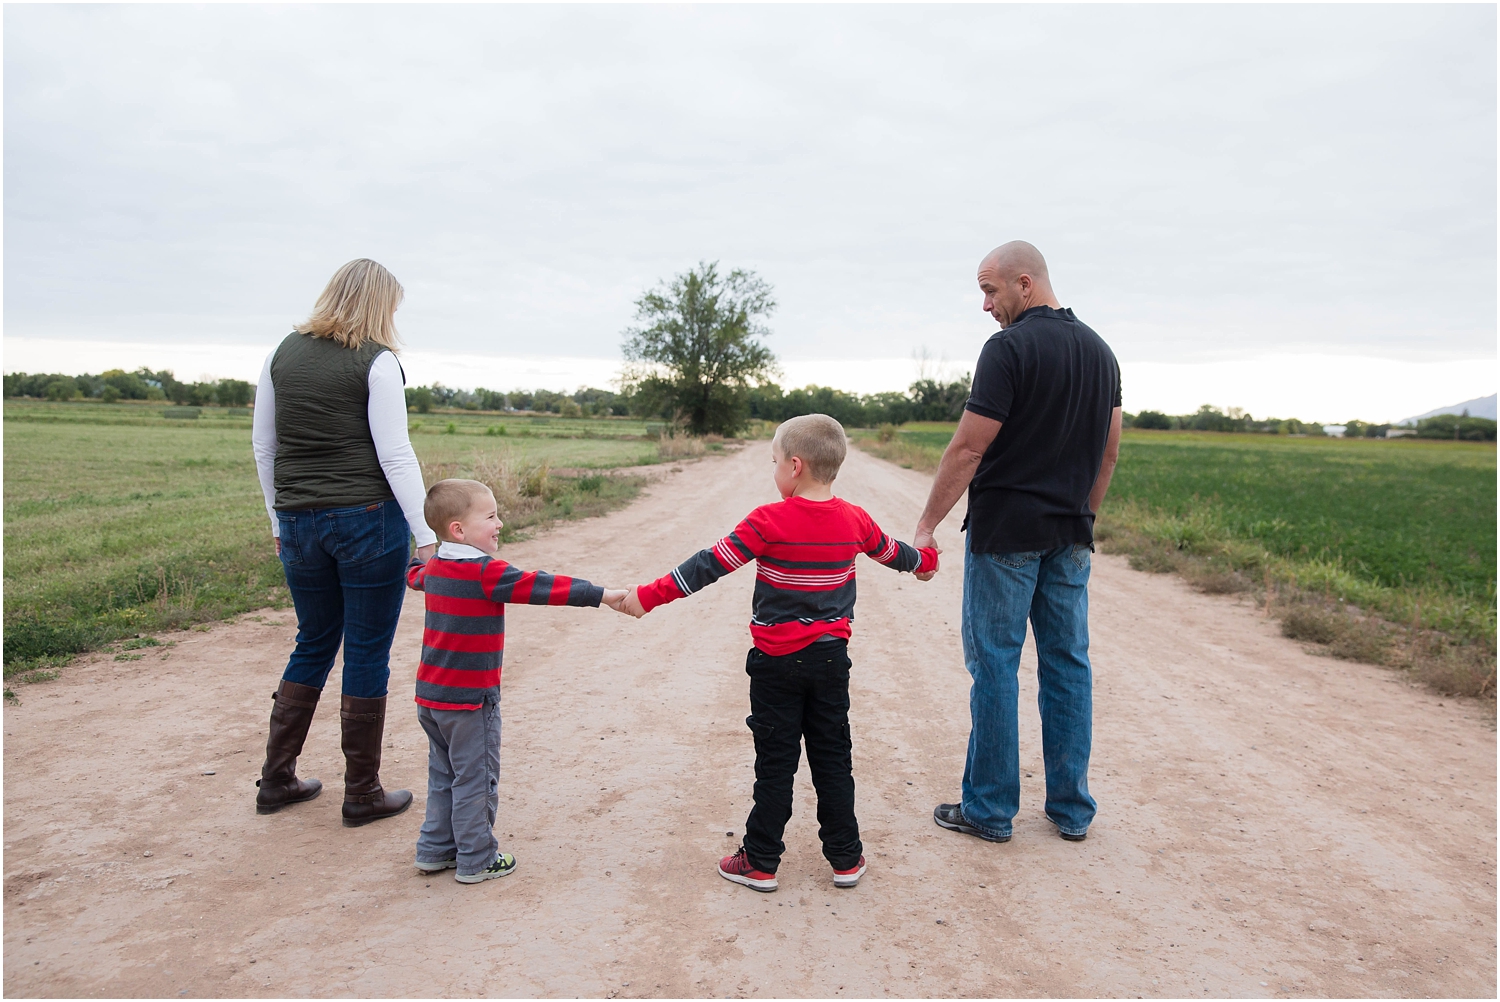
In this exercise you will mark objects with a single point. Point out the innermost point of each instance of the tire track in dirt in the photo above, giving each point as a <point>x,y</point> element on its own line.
<point>1271,822</point>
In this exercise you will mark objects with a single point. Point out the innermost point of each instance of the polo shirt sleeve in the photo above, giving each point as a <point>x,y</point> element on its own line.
<point>994,386</point>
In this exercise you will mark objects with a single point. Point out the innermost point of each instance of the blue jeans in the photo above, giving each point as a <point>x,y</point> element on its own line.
<point>346,569</point>
<point>1001,590</point>
<point>463,786</point>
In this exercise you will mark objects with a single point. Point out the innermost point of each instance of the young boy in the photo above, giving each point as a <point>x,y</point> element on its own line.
<point>804,549</point>
<point>458,682</point>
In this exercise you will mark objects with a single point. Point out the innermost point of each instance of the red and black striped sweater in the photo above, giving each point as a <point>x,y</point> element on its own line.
<point>463,642</point>
<point>804,569</point>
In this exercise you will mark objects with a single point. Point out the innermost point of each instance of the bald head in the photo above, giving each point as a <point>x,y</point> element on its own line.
<point>1017,258</point>
<point>1013,278</point>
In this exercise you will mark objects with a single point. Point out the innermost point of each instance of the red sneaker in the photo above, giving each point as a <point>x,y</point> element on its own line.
<point>739,869</point>
<point>849,877</point>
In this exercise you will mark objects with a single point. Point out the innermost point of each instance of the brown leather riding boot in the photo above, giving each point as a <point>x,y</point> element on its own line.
<point>364,799</point>
<point>291,715</point>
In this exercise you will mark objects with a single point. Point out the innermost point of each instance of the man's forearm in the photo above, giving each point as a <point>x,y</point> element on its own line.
<point>1107,461</point>
<point>1101,485</point>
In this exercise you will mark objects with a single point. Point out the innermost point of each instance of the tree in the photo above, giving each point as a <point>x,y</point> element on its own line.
<point>233,392</point>
<point>62,388</point>
<point>419,397</point>
<point>1152,419</point>
<point>938,401</point>
<point>697,352</point>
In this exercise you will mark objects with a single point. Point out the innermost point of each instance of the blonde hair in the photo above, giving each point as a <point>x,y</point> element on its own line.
<point>816,439</point>
<point>358,305</point>
<point>449,501</point>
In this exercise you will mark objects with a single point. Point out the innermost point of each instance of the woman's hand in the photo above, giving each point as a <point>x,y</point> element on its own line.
<point>424,553</point>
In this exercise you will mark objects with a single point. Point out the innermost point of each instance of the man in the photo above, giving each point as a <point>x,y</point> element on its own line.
<point>1035,449</point>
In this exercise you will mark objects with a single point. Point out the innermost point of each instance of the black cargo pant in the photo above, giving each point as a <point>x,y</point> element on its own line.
<point>802,696</point>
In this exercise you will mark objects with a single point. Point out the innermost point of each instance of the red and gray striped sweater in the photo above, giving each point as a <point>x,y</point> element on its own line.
<point>804,569</point>
<point>463,643</point>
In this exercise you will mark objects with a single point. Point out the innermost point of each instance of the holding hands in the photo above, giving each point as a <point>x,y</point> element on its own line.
<point>624,600</point>
<point>922,539</point>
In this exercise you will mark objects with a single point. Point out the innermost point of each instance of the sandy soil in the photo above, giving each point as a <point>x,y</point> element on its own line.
<point>1271,822</point>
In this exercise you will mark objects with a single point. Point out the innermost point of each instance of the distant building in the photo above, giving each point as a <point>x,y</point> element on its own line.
<point>1399,432</point>
<point>1336,430</point>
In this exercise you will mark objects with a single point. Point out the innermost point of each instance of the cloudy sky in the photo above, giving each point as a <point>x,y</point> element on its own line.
<point>1285,208</point>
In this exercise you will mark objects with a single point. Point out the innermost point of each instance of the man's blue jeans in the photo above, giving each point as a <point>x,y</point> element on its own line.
<point>1001,591</point>
<point>346,569</point>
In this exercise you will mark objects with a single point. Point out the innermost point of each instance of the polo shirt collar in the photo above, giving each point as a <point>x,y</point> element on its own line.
<point>459,551</point>
<point>1066,313</point>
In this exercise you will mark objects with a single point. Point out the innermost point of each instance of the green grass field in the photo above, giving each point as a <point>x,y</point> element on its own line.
<point>1399,514</point>
<point>119,520</point>
<point>1404,529</point>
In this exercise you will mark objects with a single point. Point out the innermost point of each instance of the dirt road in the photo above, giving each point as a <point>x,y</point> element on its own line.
<point>1270,822</point>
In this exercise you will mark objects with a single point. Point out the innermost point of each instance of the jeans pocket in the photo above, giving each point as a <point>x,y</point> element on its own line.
<point>1081,553</point>
<point>359,533</point>
<point>1019,559</point>
<point>291,553</point>
<point>760,729</point>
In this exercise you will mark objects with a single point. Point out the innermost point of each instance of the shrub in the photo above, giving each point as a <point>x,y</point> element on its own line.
<point>1346,635</point>
<point>1152,419</point>
<point>1460,427</point>
<point>682,445</point>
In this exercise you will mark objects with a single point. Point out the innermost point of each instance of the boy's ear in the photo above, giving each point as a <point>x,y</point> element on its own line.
<point>456,530</point>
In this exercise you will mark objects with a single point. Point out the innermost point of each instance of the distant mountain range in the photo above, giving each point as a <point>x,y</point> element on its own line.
<point>1478,407</point>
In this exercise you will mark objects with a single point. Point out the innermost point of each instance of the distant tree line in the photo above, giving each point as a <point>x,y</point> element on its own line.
<point>1208,418</point>
<point>1459,427</point>
<point>115,385</point>
<point>587,402</point>
<point>927,400</point>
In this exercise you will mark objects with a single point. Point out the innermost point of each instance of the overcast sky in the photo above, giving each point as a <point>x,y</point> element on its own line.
<point>1208,183</point>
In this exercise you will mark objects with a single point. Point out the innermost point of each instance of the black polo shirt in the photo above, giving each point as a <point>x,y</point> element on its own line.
<point>1053,384</point>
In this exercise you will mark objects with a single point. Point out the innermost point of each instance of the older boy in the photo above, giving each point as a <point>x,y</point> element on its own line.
<point>804,548</point>
<point>458,682</point>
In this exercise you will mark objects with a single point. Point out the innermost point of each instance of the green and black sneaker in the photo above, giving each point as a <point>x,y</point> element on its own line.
<point>503,864</point>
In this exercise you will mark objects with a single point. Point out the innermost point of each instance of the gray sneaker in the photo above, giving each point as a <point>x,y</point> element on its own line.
<point>435,865</point>
<point>503,864</point>
<point>951,816</point>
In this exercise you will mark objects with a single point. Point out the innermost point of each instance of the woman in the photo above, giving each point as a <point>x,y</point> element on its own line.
<point>344,493</point>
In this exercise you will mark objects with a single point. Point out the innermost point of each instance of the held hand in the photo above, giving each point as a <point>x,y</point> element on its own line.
<point>922,539</point>
<point>424,553</point>
<point>632,605</point>
<point>277,541</point>
<point>614,598</point>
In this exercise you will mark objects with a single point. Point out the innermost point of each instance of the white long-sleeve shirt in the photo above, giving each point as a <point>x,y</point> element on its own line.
<point>386,412</point>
